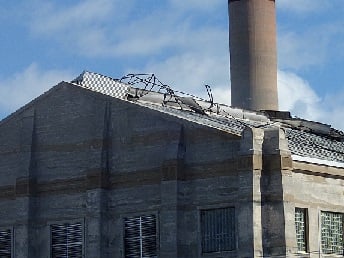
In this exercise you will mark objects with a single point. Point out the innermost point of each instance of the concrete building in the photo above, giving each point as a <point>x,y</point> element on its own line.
<point>102,168</point>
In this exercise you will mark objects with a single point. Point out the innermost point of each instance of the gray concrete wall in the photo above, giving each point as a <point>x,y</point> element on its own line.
<point>87,157</point>
<point>317,188</point>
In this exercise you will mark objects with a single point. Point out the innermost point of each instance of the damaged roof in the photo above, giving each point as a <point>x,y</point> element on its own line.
<point>308,141</point>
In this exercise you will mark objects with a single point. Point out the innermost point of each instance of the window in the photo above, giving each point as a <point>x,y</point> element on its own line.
<point>218,230</point>
<point>5,243</point>
<point>66,240</point>
<point>332,233</point>
<point>301,229</point>
<point>140,237</point>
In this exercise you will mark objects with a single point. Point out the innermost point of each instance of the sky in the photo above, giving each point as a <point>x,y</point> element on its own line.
<point>183,42</point>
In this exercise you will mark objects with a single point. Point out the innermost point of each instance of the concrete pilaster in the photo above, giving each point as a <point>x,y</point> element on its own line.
<point>24,189</point>
<point>277,237</point>
<point>171,173</point>
<point>97,231</point>
<point>249,199</point>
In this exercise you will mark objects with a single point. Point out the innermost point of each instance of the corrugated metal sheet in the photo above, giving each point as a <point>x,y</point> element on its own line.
<point>102,84</point>
<point>314,146</point>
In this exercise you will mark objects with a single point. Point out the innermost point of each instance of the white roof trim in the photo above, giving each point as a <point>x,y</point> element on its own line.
<point>318,161</point>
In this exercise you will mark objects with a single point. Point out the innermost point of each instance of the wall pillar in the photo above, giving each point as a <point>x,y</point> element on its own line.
<point>171,173</point>
<point>249,197</point>
<point>97,183</point>
<point>276,210</point>
<point>25,235</point>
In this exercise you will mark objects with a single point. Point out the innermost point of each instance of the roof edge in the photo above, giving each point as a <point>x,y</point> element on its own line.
<point>317,161</point>
<point>32,102</point>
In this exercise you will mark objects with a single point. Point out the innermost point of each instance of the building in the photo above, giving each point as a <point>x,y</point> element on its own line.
<point>100,167</point>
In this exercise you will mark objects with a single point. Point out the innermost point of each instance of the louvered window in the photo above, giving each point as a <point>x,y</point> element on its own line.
<point>140,237</point>
<point>332,233</point>
<point>66,240</point>
<point>301,229</point>
<point>5,243</point>
<point>218,230</point>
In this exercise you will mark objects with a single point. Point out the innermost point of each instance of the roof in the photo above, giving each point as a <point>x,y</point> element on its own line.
<point>308,141</point>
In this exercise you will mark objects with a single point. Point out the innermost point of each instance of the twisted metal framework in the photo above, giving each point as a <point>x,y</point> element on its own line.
<point>149,82</point>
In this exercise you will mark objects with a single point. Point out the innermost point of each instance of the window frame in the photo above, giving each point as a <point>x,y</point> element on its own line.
<point>321,233</point>
<point>306,229</point>
<point>140,215</point>
<point>233,223</point>
<point>71,221</point>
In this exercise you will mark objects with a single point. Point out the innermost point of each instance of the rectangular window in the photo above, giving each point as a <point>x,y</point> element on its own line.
<point>332,233</point>
<point>301,229</point>
<point>66,240</point>
<point>6,243</point>
<point>218,230</point>
<point>140,236</point>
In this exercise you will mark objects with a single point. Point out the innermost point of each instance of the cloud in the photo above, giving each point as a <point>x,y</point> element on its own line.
<point>297,96</point>
<point>105,28</point>
<point>334,106</point>
<point>312,46</point>
<point>308,41</point>
<point>24,86</point>
<point>297,51</point>
<point>183,43</point>
<point>196,5</point>
<point>189,73</point>
<point>302,6</point>
<point>201,62</point>
<point>50,19</point>
<point>84,27</point>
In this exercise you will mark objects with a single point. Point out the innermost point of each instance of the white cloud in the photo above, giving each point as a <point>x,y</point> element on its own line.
<point>314,46</point>
<point>308,41</point>
<point>24,86</point>
<point>334,106</point>
<point>297,51</point>
<point>189,73</point>
<point>107,28</point>
<point>297,96</point>
<point>302,6</point>
<point>50,19</point>
<point>204,5</point>
<point>85,27</point>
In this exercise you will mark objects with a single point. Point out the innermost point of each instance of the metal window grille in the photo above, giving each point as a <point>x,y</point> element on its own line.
<point>301,229</point>
<point>332,233</point>
<point>140,237</point>
<point>218,230</point>
<point>5,243</point>
<point>66,240</point>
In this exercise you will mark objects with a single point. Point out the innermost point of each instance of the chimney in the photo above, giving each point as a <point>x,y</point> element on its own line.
<point>253,54</point>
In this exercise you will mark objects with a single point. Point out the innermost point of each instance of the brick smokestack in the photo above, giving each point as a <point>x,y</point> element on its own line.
<point>253,54</point>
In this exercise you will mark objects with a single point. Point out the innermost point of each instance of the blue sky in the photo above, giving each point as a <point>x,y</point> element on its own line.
<point>185,43</point>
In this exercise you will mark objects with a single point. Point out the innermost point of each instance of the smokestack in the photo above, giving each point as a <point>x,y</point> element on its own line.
<point>253,54</point>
